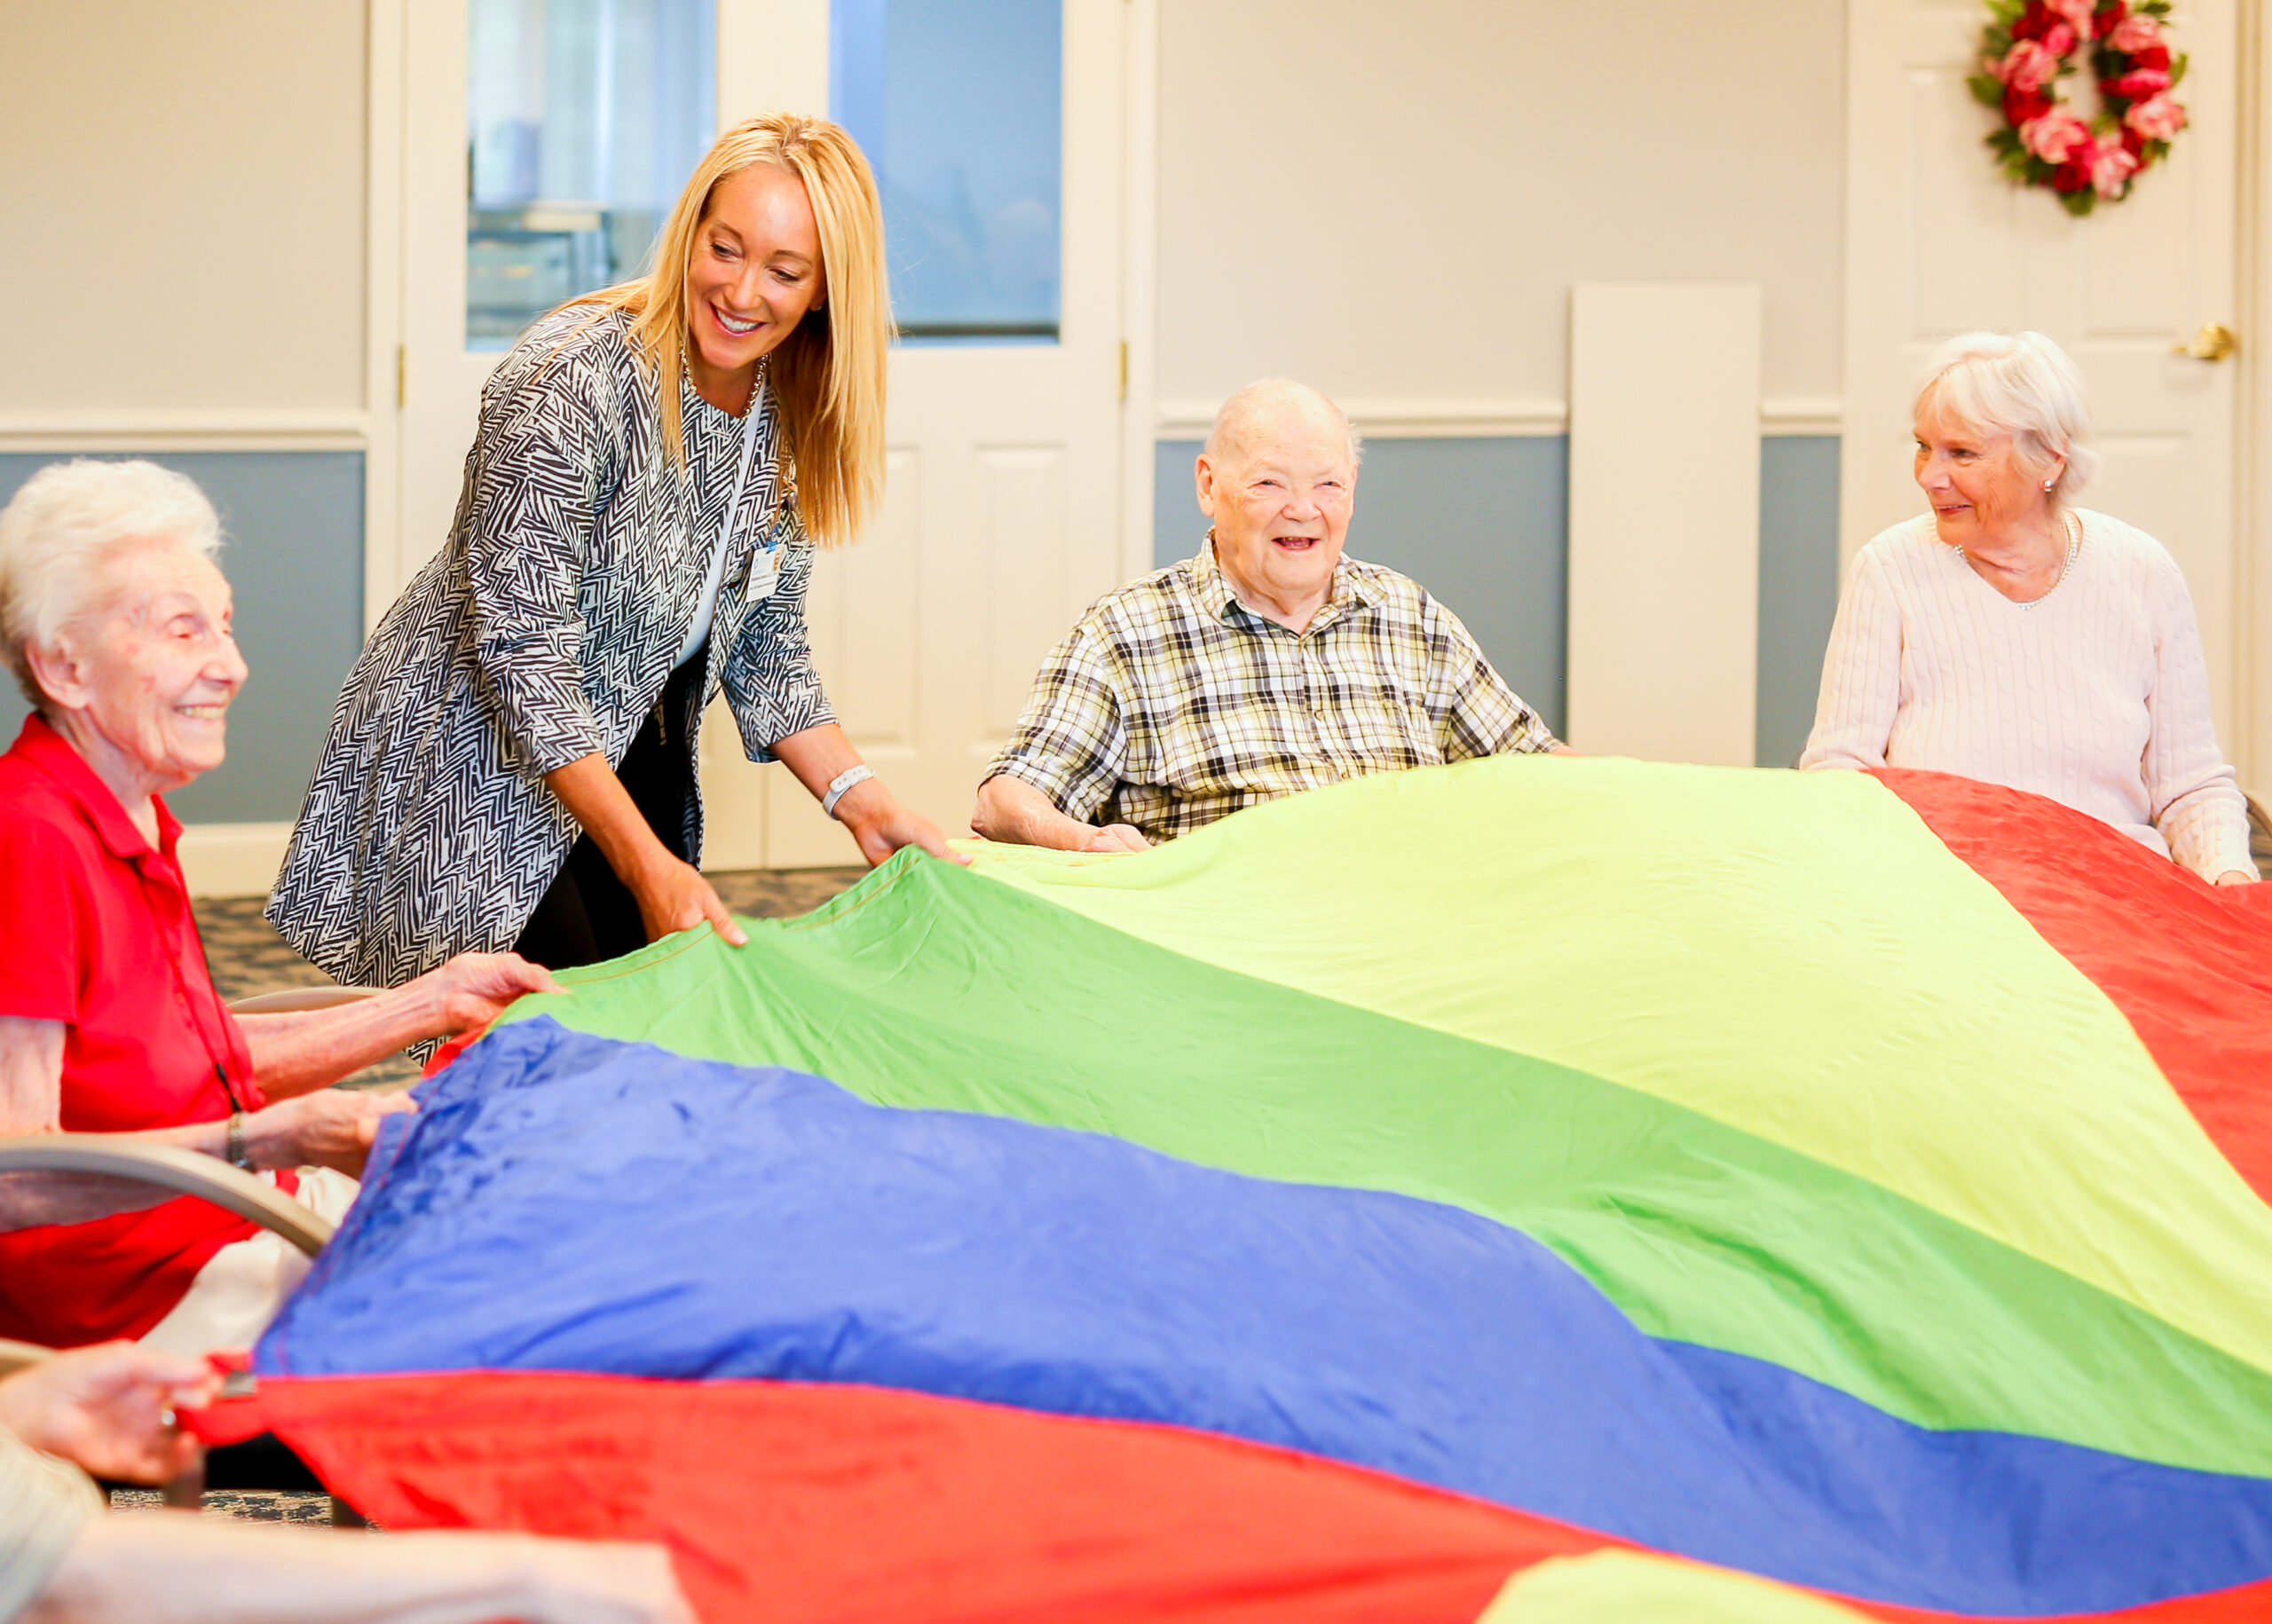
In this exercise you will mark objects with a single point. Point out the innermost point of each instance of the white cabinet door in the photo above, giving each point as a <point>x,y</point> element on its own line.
<point>1939,243</point>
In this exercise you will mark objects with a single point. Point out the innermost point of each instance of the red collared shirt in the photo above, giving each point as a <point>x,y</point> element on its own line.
<point>96,932</point>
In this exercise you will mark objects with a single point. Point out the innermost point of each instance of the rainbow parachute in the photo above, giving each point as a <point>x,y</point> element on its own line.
<point>1537,1189</point>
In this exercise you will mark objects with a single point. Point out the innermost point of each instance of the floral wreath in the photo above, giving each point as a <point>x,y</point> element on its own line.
<point>2029,45</point>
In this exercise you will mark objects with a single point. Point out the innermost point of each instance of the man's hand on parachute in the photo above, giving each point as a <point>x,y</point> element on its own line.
<point>1117,837</point>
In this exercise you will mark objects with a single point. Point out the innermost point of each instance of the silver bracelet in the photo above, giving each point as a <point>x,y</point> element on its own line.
<point>842,782</point>
<point>238,1155</point>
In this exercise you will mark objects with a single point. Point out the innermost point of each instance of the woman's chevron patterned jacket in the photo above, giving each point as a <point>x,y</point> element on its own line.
<point>544,631</point>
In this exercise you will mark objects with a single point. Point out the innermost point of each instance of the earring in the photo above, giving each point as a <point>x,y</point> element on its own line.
<point>2048,483</point>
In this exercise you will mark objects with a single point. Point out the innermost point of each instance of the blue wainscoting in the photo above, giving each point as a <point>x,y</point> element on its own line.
<point>1798,586</point>
<point>1483,524</point>
<point>293,552</point>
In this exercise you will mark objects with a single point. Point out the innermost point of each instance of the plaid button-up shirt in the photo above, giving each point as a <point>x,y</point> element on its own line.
<point>1172,704</point>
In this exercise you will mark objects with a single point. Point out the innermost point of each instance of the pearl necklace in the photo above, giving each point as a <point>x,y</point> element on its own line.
<point>2074,545</point>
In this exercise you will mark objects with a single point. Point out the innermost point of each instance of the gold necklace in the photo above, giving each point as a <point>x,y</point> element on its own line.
<point>757,377</point>
<point>2074,528</point>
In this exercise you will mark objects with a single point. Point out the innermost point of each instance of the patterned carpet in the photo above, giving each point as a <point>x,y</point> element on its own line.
<point>245,1506</point>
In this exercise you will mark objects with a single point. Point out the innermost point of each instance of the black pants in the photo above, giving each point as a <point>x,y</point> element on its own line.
<point>586,914</point>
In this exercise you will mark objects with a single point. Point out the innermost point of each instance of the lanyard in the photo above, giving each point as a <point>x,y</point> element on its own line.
<point>749,460</point>
<point>189,996</point>
<point>762,553</point>
<point>713,579</point>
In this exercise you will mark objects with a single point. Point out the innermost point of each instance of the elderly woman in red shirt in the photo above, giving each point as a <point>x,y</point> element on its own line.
<point>117,625</point>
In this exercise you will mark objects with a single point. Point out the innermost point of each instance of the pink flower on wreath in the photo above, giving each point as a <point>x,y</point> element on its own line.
<point>2077,14</point>
<point>2156,118</point>
<point>2059,39</point>
<point>2058,138</point>
<point>2112,168</point>
<point>2134,34</point>
<point>2138,84</point>
<point>2027,66</point>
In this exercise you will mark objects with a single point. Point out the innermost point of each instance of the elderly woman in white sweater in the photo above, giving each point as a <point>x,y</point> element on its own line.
<point>2009,636</point>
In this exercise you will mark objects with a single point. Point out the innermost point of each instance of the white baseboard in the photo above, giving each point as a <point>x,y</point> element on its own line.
<point>232,859</point>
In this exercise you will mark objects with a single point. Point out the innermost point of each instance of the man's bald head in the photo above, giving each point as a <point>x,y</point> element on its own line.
<point>1266,408</point>
<point>1279,479</point>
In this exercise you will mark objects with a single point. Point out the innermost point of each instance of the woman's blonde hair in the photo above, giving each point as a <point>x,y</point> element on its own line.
<point>828,375</point>
<point>2021,384</point>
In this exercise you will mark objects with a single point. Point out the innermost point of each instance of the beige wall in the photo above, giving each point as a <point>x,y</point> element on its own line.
<point>1393,200</point>
<point>181,205</point>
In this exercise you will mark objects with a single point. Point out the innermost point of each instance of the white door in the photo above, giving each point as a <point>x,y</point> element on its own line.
<point>438,377</point>
<point>1938,242</point>
<point>1004,512</point>
<point>1002,515</point>
<point>591,128</point>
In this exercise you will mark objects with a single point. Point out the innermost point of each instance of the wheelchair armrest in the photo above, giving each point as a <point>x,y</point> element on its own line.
<point>183,1172</point>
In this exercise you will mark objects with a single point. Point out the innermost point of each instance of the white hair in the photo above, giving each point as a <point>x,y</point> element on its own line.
<point>56,537</point>
<point>1238,415</point>
<point>2020,384</point>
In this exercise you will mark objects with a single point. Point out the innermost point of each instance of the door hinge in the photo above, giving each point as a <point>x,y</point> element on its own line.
<point>1123,370</point>
<point>401,376</point>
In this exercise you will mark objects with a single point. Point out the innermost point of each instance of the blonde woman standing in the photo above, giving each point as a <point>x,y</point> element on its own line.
<point>512,763</point>
<point>2008,636</point>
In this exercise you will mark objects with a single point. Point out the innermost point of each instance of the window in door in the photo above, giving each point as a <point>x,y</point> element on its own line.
<point>584,119</point>
<point>958,104</point>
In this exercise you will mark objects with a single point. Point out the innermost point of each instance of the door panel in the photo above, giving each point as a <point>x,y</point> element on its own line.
<point>1003,519</point>
<point>440,392</point>
<point>1938,243</point>
<point>867,638</point>
<point>1022,491</point>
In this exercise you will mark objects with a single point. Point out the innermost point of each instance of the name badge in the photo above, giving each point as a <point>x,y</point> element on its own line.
<point>764,575</point>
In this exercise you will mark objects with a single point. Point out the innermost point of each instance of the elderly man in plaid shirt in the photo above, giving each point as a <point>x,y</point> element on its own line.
<point>1266,665</point>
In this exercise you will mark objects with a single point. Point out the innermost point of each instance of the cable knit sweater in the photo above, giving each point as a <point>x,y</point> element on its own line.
<point>2097,695</point>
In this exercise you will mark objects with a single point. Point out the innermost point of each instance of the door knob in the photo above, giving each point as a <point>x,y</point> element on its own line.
<point>2213,343</point>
